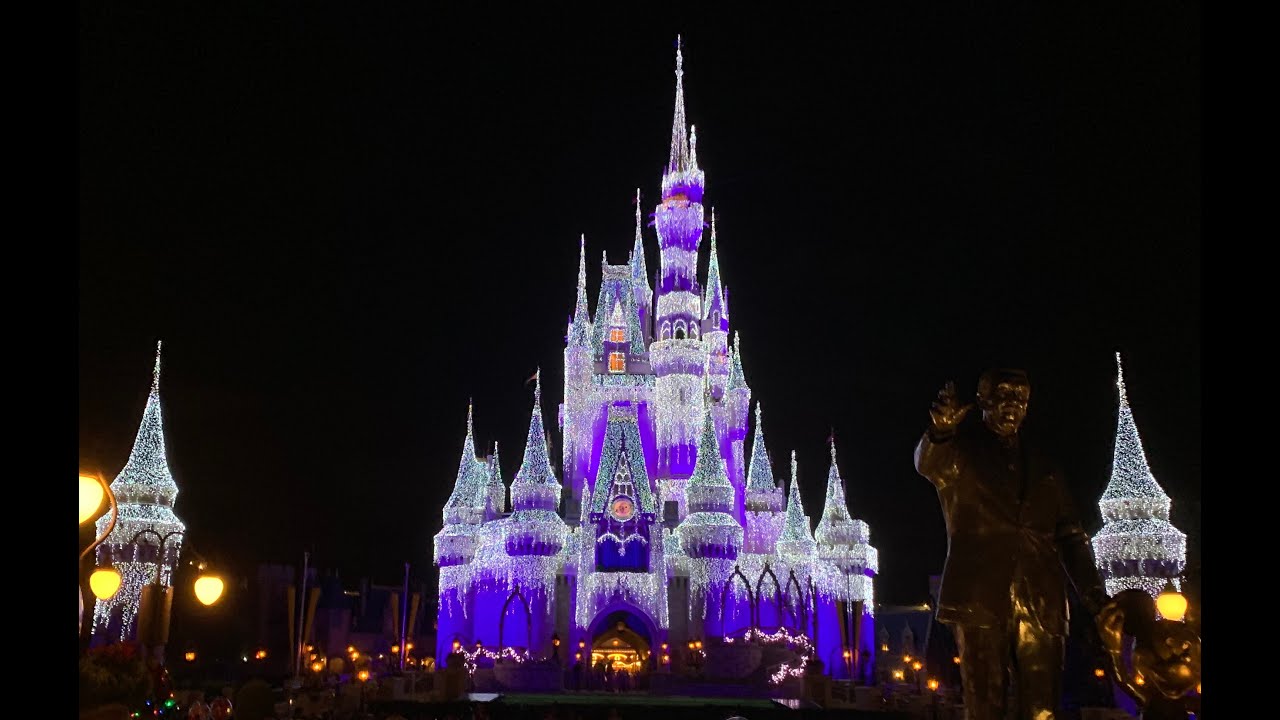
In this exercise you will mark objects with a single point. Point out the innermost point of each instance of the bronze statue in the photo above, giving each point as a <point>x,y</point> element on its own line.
<point>1156,661</point>
<point>1013,541</point>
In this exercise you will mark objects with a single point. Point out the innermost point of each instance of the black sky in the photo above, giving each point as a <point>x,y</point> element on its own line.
<point>344,222</point>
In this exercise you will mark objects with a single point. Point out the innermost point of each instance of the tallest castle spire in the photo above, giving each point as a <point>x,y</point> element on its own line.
<point>679,127</point>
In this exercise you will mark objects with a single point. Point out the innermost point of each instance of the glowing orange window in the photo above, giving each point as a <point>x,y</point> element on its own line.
<point>617,362</point>
<point>617,335</point>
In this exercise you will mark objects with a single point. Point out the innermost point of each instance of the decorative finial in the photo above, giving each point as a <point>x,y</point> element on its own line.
<point>155,374</point>
<point>469,402</point>
<point>1124,399</point>
<point>757,413</point>
<point>537,385</point>
<point>679,58</point>
<point>693,146</point>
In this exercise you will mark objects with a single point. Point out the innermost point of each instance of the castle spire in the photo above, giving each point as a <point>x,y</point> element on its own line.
<point>836,526</point>
<point>1137,547</point>
<point>714,299</point>
<point>679,159</point>
<point>580,328</point>
<point>736,378</point>
<point>147,470</point>
<point>536,467</point>
<point>760,474</point>
<point>639,272</point>
<point>796,537</point>
<point>1132,491</point>
<point>497,489</point>
<point>469,486</point>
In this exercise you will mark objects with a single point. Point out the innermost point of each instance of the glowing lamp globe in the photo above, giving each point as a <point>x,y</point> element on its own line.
<point>363,675</point>
<point>91,494</point>
<point>208,589</point>
<point>1171,604</point>
<point>104,582</point>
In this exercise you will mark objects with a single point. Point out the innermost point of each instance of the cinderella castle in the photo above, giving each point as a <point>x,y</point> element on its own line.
<point>660,546</point>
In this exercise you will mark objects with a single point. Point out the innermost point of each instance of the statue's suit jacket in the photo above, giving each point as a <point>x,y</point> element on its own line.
<point>1006,522</point>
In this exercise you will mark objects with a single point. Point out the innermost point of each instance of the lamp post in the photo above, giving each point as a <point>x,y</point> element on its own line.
<point>104,582</point>
<point>156,603</point>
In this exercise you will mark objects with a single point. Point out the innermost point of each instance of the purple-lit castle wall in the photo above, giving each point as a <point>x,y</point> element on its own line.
<point>659,527</point>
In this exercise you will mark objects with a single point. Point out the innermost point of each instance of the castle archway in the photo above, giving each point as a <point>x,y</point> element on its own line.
<point>622,637</point>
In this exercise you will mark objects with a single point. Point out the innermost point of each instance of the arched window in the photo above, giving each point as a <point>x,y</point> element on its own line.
<point>666,331</point>
<point>680,330</point>
<point>715,318</point>
<point>693,331</point>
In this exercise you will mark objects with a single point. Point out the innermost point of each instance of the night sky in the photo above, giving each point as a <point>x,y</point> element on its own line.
<point>344,222</point>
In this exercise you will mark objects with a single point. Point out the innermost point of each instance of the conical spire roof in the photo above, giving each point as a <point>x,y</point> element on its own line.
<point>709,471</point>
<point>1132,492</point>
<point>759,472</point>
<point>680,155</point>
<point>147,470</point>
<point>497,488</point>
<point>580,328</point>
<point>473,476</point>
<point>796,537</point>
<point>639,271</point>
<point>836,525</point>
<point>536,467</point>
<point>736,379</point>
<point>714,298</point>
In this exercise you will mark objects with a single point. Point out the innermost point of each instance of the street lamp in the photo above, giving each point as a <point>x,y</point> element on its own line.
<point>156,603</point>
<point>104,582</point>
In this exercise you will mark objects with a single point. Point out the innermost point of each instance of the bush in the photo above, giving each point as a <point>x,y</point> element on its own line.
<point>115,673</point>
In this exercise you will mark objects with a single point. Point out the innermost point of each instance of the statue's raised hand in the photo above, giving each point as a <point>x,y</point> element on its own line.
<point>947,412</point>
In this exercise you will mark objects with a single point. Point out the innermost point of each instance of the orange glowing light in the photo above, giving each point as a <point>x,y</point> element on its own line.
<point>933,685</point>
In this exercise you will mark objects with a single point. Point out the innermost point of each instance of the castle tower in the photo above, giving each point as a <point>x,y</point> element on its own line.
<point>495,489</point>
<point>733,410</point>
<point>709,535</point>
<point>678,357</point>
<point>454,546</point>
<point>577,413</point>
<point>640,281</point>
<point>715,324</point>
<point>849,564</point>
<point>764,512</point>
<point>1137,547</point>
<point>535,534</point>
<point>145,494</point>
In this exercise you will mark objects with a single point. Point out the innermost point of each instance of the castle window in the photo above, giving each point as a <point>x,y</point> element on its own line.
<point>680,330</point>
<point>617,335</point>
<point>666,331</point>
<point>693,331</point>
<point>617,362</point>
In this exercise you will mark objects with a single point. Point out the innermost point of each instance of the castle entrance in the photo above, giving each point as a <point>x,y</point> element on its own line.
<point>621,644</point>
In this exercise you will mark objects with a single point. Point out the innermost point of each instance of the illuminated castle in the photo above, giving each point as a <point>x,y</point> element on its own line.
<point>145,493</point>
<point>659,531</point>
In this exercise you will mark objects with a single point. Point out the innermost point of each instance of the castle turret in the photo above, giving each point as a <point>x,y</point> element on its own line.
<point>1137,547</point>
<point>464,510</point>
<point>536,527</point>
<point>734,409</point>
<point>709,535</point>
<point>576,414</point>
<point>764,514</point>
<point>496,490</point>
<point>796,546</point>
<point>640,281</point>
<point>145,494</point>
<point>678,357</point>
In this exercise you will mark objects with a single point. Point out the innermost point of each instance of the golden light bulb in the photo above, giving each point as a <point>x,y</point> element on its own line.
<point>91,494</point>
<point>209,589</point>
<point>104,582</point>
